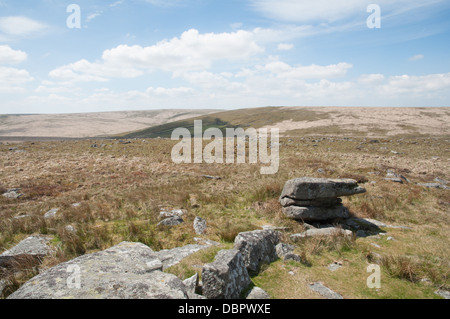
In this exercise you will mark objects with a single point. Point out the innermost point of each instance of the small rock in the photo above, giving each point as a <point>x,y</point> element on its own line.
<point>258,293</point>
<point>335,266</point>
<point>375,245</point>
<point>283,249</point>
<point>293,257</point>
<point>173,213</point>
<point>329,231</point>
<point>51,213</point>
<point>171,221</point>
<point>324,291</point>
<point>199,225</point>
<point>70,229</point>
<point>12,193</point>
<point>443,293</point>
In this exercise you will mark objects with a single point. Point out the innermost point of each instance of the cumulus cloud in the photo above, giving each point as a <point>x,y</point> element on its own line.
<point>191,51</point>
<point>10,56</point>
<point>12,79</point>
<point>408,84</point>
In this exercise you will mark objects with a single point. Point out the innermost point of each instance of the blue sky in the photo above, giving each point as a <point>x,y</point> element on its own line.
<point>154,54</point>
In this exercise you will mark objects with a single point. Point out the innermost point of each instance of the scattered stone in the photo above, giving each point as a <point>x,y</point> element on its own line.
<point>33,245</point>
<point>12,193</point>
<point>441,181</point>
<point>293,257</point>
<point>394,179</point>
<point>212,177</point>
<point>324,291</point>
<point>283,249</point>
<point>443,293</point>
<point>390,238</point>
<point>171,257</point>
<point>257,247</point>
<point>335,266</point>
<point>226,277</point>
<point>171,221</point>
<point>308,226</point>
<point>434,185</point>
<point>76,205</point>
<point>51,213</point>
<point>291,273</point>
<point>199,225</point>
<point>375,245</point>
<point>70,229</point>
<point>120,272</point>
<point>172,213</point>
<point>329,231</point>
<point>258,293</point>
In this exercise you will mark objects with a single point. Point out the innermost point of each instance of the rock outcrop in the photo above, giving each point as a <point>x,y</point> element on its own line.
<point>257,247</point>
<point>317,199</point>
<point>125,271</point>
<point>226,277</point>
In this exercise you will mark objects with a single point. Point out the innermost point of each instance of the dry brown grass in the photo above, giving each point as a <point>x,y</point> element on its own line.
<point>121,189</point>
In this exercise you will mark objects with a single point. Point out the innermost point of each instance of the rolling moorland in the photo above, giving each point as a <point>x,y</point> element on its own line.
<point>122,183</point>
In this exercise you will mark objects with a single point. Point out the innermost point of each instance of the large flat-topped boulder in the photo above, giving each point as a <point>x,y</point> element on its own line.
<point>308,188</point>
<point>125,271</point>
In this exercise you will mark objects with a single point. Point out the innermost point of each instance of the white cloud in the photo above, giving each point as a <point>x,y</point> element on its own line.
<point>285,46</point>
<point>20,26</point>
<point>10,56</point>
<point>418,85</point>
<point>283,70</point>
<point>92,16</point>
<point>416,57</point>
<point>370,79</point>
<point>191,51</point>
<point>12,79</point>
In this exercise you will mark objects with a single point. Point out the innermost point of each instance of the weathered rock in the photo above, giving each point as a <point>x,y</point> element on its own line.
<point>172,213</point>
<point>124,271</point>
<point>199,225</point>
<point>33,245</point>
<point>257,247</point>
<point>307,188</point>
<point>293,257</point>
<point>316,213</point>
<point>12,193</point>
<point>326,202</point>
<point>226,277</point>
<point>51,213</point>
<point>191,283</point>
<point>171,221</point>
<point>434,185</point>
<point>324,291</point>
<point>283,249</point>
<point>330,231</point>
<point>258,293</point>
<point>443,293</point>
<point>334,266</point>
<point>171,257</point>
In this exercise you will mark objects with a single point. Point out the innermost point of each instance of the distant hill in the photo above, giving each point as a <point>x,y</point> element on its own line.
<point>36,126</point>
<point>298,121</point>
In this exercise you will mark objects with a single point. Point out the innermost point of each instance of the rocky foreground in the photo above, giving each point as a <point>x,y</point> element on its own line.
<point>135,271</point>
